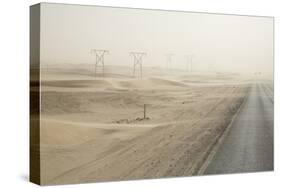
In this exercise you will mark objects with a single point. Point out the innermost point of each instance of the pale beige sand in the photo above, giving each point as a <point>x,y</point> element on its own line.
<point>92,128</point>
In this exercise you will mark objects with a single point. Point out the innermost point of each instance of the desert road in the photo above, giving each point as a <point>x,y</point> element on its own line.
<point>248,145</point>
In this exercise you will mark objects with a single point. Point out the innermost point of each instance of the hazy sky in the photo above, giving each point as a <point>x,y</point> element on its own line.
<point>219,42</point>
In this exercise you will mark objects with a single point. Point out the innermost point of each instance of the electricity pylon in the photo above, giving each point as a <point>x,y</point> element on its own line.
<point>138,58</point>
<point>99,62</point>
<point>168,61</point>
<point>189,62</point>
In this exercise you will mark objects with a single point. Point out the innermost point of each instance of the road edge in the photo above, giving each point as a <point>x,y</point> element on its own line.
<point>219,141</point>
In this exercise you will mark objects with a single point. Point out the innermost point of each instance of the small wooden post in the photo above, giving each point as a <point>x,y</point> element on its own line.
<point>144,111</point>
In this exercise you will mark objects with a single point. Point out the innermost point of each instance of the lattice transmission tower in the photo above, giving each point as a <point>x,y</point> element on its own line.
<point>189,62</point>
<point>99,60</point>
<point>137,62</point>
<point>169,61</point>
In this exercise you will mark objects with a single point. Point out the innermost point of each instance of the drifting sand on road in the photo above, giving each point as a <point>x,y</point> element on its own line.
<point>92,129</point>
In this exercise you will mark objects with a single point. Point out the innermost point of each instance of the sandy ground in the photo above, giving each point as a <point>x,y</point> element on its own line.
<point>92,129</point>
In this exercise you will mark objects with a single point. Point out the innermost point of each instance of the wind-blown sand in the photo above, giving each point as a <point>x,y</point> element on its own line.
<point>92,129</point>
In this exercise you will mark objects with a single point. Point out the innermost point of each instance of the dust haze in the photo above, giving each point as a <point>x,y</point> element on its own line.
<point>116,125</point>
<point>221,43</point>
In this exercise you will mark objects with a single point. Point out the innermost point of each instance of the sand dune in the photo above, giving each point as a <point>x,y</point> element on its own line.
<point>77,83</point>
<point>149,83</point>
<point>93,129</point>
<point>77,133</point>
<point>111,84</point>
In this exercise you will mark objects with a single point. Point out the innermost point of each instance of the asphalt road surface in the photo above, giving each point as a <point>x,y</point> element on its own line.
<point>248,146</point>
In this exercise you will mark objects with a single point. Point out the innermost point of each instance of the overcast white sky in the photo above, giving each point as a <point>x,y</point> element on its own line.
<point>221,42</point>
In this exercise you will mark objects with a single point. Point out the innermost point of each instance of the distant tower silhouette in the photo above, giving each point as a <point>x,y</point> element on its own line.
<point>138,58</point>
<point>189,62</point>
<point>99,62</point>
<point>168,61</point>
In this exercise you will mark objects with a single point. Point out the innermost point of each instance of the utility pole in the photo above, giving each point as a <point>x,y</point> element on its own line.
<point>144,111</point>
<point>137,62</point>
<point>99,61</point>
